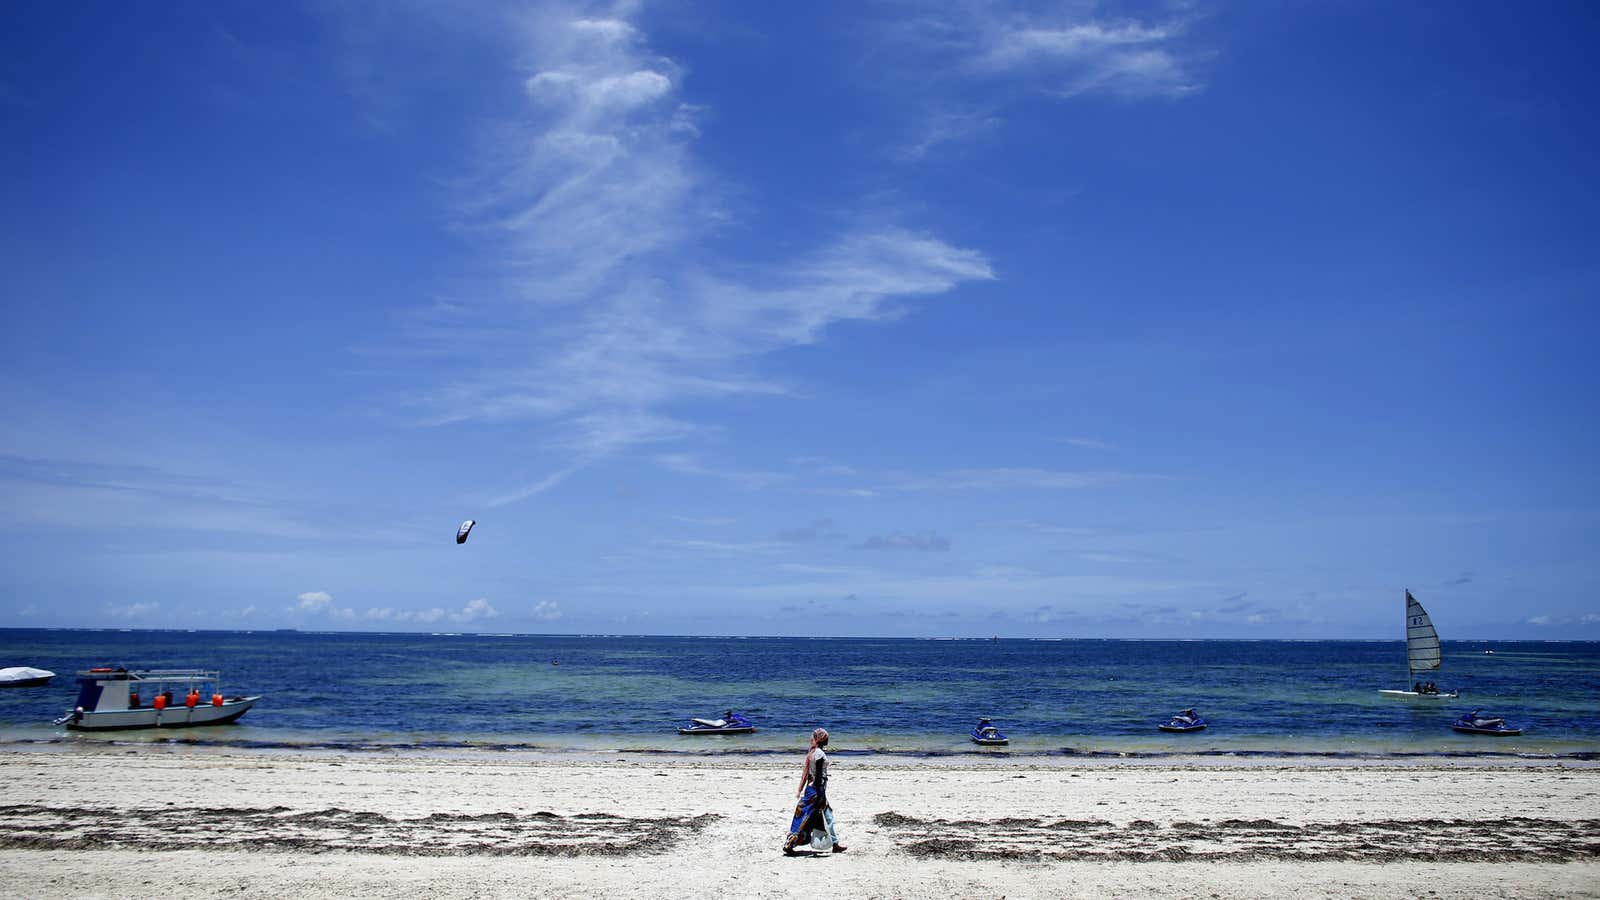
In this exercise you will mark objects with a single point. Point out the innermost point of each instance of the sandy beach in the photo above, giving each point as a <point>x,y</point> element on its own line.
<point>146,821</point>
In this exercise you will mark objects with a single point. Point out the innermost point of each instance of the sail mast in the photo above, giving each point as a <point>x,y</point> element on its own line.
<point>1411,674</point>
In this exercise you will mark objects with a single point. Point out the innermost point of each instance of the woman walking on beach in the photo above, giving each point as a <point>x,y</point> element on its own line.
<point>811,809</point>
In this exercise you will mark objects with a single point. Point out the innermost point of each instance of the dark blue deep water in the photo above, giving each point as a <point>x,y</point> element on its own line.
<point>393,691</point>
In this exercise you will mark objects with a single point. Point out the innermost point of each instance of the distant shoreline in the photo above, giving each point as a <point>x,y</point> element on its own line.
<point>781,637</point>
<point>470,750</point>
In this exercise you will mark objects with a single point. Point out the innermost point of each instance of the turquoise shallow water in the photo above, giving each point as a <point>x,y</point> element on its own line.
<point>883,696</point>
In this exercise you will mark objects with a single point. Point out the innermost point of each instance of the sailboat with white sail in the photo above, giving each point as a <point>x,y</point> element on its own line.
<point>1422,656</point>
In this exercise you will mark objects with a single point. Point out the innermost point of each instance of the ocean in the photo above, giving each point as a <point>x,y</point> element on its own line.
<point>541,693</point>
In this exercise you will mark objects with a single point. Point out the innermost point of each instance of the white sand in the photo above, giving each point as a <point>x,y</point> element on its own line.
<point>175,822</point>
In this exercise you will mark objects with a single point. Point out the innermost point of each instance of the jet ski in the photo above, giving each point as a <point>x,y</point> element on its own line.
<point>1184,722</point>
<point>730,723</point>
<point>986,735</point>
<point>1472,723</point>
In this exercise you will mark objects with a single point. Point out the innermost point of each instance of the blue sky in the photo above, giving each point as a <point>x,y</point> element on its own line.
<point>1054,320</point>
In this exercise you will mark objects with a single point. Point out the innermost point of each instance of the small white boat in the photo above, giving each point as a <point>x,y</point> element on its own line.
<point>24,676</point>
<point>1422,655</point>
<point>117,698</point>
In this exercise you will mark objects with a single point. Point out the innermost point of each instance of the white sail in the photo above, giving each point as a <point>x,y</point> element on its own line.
<point>1422,642</point>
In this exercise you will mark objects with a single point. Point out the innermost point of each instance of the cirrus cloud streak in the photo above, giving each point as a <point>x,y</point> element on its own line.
<point>611,306</point>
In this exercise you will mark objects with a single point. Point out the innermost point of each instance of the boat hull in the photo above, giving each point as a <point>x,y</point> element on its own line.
<point>1413,695</point>
<point>1181,729</point>
<point>171,717</point>
<point>991,742</point>
<point>24,676</point>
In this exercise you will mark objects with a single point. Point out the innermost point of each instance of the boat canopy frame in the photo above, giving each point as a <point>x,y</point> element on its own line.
<point>116,688</point>
<point>156,676</point>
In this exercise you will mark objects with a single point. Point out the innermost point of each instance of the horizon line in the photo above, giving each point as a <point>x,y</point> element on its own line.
<point>780,637</point>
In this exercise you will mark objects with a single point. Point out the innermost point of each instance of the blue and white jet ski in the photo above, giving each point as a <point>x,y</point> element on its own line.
<point>1472,723</point>
<point>986,735</point>
<point>1184,722</point>
<point>730,723</point>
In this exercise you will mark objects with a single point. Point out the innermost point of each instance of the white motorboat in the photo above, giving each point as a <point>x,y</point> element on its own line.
<point>24,676</point>
<point>1422,656</point>
<point>118,698</point>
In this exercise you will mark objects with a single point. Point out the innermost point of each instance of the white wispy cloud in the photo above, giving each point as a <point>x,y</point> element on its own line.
<point>1086,443</point>
<point>1074,50</point>
<point>821,465</point>
<point>947,126</point>
<point>1549,619</point>
<point>406,616</point>
<point>795,568</point>
<point>1003,572</point>
<point>598,212</point>
<point>1046,528</point>
<point>819,530</point>
<point>688,464</point>
<point>725,547</point>
<point>1009,478</point>
<point>1087,594</point>
<point>850,492</point>
<point>478,610</point>
<point>711,521</point>
<point>134,610</point>
<point>921,540</point>
<point>989,52</point>
<point>475,610</point>
<point>314,601</point>
<point>533,489</point>
<point>984,479</point>
<point>82,493</point>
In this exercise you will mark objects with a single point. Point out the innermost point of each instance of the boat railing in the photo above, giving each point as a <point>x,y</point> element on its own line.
<point>159,676</point>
